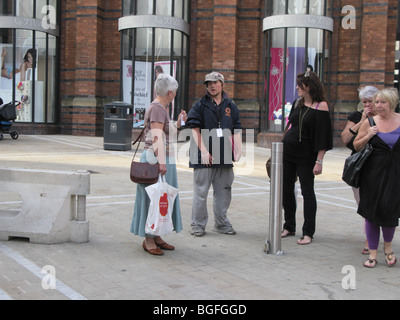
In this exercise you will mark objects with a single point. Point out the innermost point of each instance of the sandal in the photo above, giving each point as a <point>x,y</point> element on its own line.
<point>372,263</point>
<point>390,259</point>
<point>302,241</point>
<point>365,251</point>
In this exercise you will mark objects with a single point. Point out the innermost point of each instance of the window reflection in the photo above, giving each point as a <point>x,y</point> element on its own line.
<point>146,52</point>
<point>29,63</point>
<point>290,52</point>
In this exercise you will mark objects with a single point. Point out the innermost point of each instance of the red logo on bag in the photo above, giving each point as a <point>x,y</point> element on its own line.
<point>152,227</point>
<point>164,204</point>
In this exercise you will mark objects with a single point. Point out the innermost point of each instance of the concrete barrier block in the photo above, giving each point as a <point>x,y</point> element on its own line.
<point>53,206</point>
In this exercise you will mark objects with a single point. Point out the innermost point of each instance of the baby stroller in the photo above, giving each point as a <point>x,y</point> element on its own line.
<point>7,115</point>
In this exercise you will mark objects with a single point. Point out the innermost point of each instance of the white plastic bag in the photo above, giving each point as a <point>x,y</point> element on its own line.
<point>162,198</point>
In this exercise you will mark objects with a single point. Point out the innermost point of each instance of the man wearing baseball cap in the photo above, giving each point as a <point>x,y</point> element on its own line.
<point>215,145</point>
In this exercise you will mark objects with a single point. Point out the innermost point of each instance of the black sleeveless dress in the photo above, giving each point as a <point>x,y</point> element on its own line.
<point>380,185</point>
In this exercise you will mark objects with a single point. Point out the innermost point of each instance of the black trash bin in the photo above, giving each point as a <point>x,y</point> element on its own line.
<point>118,124</point>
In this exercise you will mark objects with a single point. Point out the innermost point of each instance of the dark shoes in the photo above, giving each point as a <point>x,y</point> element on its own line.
<point>157,251</point>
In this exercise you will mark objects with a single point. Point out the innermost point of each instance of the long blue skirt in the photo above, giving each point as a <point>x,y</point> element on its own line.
<point>142,201</point>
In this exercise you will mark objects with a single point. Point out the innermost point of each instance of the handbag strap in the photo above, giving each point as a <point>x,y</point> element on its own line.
<point>371,121</point>
<point>140,137</point>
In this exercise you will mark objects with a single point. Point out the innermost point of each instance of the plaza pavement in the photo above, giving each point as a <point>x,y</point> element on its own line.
<point>113,265</point>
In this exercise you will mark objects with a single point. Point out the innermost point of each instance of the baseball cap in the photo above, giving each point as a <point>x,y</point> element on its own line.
<point>214,76</point>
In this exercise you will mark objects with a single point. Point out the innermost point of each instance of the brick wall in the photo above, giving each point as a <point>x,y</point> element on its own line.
<point>361,56</point>
<point>226,37</point>
<point>90,60</point>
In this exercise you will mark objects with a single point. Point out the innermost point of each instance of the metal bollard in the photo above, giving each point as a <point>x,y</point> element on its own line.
<point>274,241</point>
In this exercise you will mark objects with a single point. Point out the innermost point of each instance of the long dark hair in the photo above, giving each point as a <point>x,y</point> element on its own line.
<point>312,81</point>
<point>33,54</point>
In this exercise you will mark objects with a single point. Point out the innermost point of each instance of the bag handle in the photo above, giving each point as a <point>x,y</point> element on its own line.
<point>139,138</point>
<point>371,121</point>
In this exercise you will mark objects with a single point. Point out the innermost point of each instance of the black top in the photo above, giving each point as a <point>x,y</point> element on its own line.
<point>380,185</point>
<point>356,118</point>
<point>316,134</point>
<point>205,114</point>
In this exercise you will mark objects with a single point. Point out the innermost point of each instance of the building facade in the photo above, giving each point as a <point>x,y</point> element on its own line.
<point>88,53</point>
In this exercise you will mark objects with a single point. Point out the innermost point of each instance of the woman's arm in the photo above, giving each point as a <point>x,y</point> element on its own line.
<point>365,134</point>
<point>318,164</point>
<point>157,134</point>
<point>347,134</point>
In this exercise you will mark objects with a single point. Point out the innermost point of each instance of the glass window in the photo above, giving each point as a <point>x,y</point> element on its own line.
<point>144,7</point>
<point>6,8</point>
<point>51,79</point>
<point>146,52</point>
<point>25,73</point>
<point>29,62</point>
<point>164,8</point>
<point>291,51</point>
<point>40,79</point>
<point>317,7</point>
<point>24,8</point>
<point>279,7</point>
<point>6,63</point>
<point>298,6</point>
<point>128,7</point>
<point>142,79</point>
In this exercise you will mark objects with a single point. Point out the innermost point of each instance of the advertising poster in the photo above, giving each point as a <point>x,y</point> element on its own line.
<point>143,92</point>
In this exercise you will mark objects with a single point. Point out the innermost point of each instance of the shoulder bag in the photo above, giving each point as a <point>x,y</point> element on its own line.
<point>143,172</point>
<point>354,163</point>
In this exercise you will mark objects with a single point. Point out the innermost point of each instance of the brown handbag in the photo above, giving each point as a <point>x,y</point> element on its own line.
<point>143,172</point>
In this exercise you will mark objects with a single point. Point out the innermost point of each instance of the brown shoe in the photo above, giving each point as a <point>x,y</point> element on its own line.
<point>154,252</point>
<point>165,246</point>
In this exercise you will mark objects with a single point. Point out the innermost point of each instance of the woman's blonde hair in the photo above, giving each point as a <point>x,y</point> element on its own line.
<point>391,95</point>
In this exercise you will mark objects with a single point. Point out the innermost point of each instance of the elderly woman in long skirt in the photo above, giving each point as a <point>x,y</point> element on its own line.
<point>157,149</point>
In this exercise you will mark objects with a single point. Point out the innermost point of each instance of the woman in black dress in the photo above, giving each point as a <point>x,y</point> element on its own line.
<point>380,178</point>
<point>305,145</point>
<point>349,133</point>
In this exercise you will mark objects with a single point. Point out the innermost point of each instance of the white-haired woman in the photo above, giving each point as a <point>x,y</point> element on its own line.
<point>157,133</point>
<point>354,121</point>
<point>380,178</point>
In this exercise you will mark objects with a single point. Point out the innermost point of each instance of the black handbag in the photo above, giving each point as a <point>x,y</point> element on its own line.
<point>354,164</point>
<point>143,172</point>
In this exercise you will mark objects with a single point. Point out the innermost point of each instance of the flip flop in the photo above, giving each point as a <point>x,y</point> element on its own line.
<point>390,259</point>
<point>365,251</point>
<point>372,263</point>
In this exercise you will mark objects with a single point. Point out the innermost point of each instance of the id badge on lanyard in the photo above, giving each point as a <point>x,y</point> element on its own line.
<point>220,133</point>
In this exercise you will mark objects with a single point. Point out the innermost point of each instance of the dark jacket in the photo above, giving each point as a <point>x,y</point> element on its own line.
<point>204,115</point>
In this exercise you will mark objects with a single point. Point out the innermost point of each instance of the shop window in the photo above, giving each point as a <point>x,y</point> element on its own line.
<point>294,45</point>
<point>158,44</point>
<point>28,58</point>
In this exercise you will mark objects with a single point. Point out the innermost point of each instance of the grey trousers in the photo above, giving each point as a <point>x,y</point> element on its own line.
<point>221,179</point>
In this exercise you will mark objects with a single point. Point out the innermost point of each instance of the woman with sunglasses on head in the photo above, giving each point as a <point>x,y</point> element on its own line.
<point>305,144</point>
